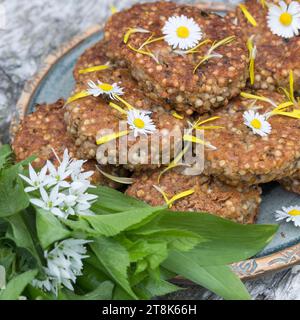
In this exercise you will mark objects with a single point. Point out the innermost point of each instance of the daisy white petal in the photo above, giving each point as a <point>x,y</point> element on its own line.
<point>182,32</point>
<point>289,214</point>
<point>140,122</point>
<point>283,20</point>
<point>257,123</point>
<point>103,88</point>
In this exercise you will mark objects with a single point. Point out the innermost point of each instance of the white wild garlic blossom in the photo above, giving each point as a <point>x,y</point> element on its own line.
<point>61,190</point>
<point>64,265</point>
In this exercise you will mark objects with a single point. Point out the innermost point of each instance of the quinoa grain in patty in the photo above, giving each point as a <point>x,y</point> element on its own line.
<point>291,183</point>
<point>210,195</point>
<point>172,77</point>
<point>90,117</point>
<point>245,157</point>
<point>43,131</point>
<point>276,55</point>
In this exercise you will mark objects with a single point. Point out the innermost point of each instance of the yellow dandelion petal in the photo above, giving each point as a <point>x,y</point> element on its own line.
<point>179,196</point>
<point>175,198</point>
<point>199,122</point>
<point>160,190</point>
<point>210,53</point>
<point>283,105</point>
<point>222,42</point>
<point>173,164</point>
<point>143,52</point>
<point>209,127</point>
<point>291,78</point>
<point>132,31</point>
<point>127,104</point>
<point>248,15</point>
<point>78,96</point>
<point>252,56</point>
<point>194,50</point>
<point>205,58</point>
<point>197,140</point>
<point>118,108</point>
<point>193,139</point>
<point>177,116</point>
<point>256,97</point>
<point>112,136</point>
<point>286,92</point>
<point>94,69</point>
<point>151,40</point>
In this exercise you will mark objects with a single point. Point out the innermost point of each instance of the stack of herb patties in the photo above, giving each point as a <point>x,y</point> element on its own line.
<point>164,72</point>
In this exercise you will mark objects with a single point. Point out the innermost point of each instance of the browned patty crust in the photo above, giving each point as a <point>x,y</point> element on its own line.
<point>210,195</point>
<point>212,85</point>
<point>291,183</point>
<point>245,157</point>
<point>89,118</point>
<point>275,55</point>
<point>43,131</point>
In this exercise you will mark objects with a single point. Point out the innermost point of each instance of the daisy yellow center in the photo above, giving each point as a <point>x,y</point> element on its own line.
<point>294,212</point>
<point>183,32</point>
<point>286,19</point>
<point>139,123</point>
<point>256,124</point>
<point>106,87</point>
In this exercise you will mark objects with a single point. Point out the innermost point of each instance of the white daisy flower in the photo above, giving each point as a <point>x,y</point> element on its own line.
<point>284,20</point>
<point>103,88</point>
<point>140,122</point>
<point>289,214</point>
<point>182,32</point>
<point>257,123</point>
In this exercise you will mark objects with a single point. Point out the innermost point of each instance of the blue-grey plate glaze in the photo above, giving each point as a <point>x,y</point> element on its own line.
<point>59,83</point>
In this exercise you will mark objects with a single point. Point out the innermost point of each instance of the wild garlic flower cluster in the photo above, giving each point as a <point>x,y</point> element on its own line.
<point>64,265</point>
<point>61,190</point>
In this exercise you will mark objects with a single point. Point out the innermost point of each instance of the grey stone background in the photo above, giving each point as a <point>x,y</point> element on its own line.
<point>31,30</point>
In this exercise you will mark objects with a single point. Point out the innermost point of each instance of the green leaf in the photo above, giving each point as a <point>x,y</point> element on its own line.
<point>7,258</point>
<point>114,201</point>
<point>34,293</point>
<point>226,241</point>
<point>155,252</point>
<point>219,279</point>
<point>5,153</point>
<point>19,234</point>
<point>115,260</point>
<point>112,224</point>
<point>80,226</point>
<point>153,287</point>
<point>12,194</point>
<point>49,229</point>
<point>90,278</point>
<point>16,286</point>
<point>120,294</point>
<point>177,239</point>
<point>103,292</point>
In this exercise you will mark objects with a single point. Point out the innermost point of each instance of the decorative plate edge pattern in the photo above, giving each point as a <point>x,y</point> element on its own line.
<point>247,269</point>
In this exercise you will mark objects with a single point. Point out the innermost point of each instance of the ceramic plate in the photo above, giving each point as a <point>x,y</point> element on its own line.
<point>56,81</point>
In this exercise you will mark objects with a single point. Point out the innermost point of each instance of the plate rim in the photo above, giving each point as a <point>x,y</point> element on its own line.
<point>247,269</point>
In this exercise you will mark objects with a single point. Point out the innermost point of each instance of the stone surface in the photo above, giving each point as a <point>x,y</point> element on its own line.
<point>31,30</point>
